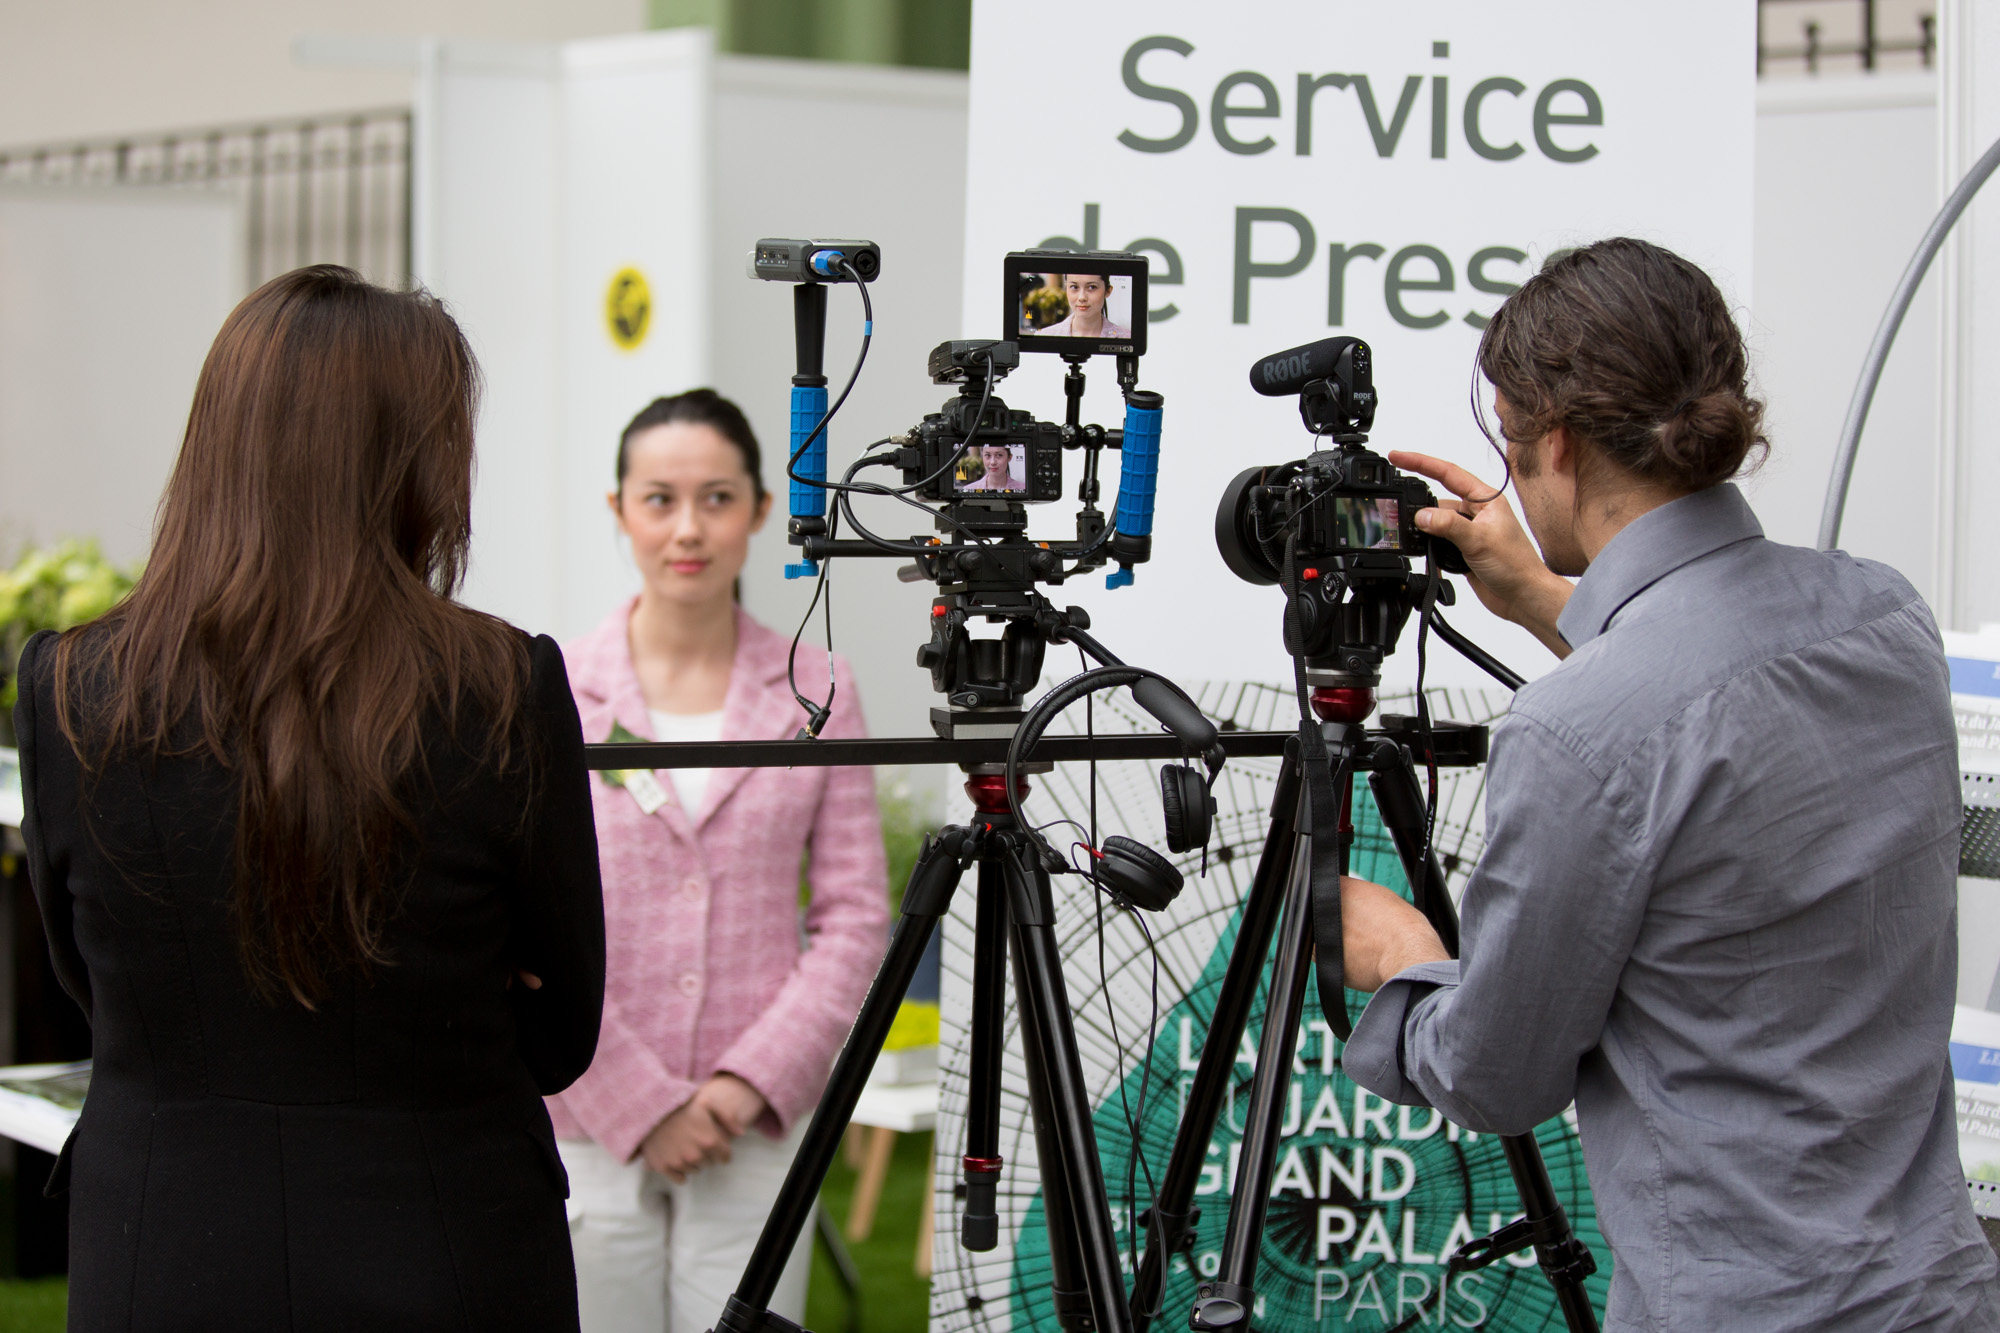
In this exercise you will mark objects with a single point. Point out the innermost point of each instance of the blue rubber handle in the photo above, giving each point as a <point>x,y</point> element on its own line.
<point>808,410</point>
<point>1138,479</point>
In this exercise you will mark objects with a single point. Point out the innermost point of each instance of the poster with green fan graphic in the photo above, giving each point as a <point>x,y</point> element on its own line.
<point>1369,1199</point>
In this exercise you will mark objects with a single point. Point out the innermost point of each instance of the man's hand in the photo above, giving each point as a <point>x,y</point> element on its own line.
<point>733,1102</point>
<point>1382,934</point>
<point>1507,571</point>
<point>686,1141</point>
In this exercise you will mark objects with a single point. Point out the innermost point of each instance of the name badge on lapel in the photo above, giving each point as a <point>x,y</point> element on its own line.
<point>639,783</point>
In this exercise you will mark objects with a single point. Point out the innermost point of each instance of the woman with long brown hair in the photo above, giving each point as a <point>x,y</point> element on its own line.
<point>314,848</point>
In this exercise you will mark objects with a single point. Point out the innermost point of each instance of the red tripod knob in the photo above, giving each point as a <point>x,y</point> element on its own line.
<point>989,792</point>
<point>1343,703</point>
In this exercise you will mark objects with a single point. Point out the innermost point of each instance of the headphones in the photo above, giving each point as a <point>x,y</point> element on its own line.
<point>1137,875</point>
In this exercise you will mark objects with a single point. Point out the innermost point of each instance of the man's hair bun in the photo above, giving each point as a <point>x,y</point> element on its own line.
<point>1704,440</point>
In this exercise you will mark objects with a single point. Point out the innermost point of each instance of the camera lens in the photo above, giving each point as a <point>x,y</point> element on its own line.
<point>1236,530</point>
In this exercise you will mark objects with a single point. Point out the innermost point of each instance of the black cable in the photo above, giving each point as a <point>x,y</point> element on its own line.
<point>867,337</point>
<point>1476,655</point>
<point>848,488</point>
<point>1479,419</point>
<point>1433,576</point>
<point>1135,1160</point>
<point>816,714</point>
<point>985,397</point>
<point>1145,1082</point>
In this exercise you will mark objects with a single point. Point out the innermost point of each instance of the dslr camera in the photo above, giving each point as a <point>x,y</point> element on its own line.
<point>1337,529</point>
<point>962,453</point>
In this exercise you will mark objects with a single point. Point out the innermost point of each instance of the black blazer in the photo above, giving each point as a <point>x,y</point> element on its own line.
<point>383,1163</point>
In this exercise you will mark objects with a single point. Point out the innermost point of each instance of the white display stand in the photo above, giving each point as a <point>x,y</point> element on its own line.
<point>41,1116</point>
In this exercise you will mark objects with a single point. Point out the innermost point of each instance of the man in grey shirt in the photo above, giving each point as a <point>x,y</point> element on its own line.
<point>1717,906</point>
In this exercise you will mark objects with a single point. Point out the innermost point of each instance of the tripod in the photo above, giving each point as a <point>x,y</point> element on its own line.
<point>1283,899</point>
<point>1015,907</point>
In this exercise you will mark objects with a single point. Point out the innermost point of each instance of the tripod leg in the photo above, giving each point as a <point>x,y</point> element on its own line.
<point>931,886</point>
<point>980,1227</point>
<point>1565,1260</point>
<point>1227,1302</point>
<point>1067,1281</point>
<point>1171,1217</point>
<point>1401,804</point>
<point>1045,1020</point>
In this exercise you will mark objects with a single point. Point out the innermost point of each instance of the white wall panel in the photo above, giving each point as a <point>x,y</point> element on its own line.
<point>109,300</point>
<point>486,192</point>
<point>635,126</point>
<point>1846,184</point>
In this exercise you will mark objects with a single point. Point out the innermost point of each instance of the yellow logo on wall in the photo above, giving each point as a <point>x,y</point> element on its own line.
<point>628,308</point>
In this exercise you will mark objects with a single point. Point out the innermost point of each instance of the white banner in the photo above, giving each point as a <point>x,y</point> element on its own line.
<point>1298,170</point>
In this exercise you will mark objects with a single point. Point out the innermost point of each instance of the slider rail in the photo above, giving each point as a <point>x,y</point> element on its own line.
<point>1458,745</point>
<point>910,750</point>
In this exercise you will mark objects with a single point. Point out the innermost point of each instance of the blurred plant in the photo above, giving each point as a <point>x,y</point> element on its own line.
<point>64,585</point>
<point>904,826</point>
<point>1046,306</point>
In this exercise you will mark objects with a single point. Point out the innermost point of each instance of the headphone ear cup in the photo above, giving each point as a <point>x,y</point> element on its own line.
<point>1187,806</point>
<point>1138,874</point>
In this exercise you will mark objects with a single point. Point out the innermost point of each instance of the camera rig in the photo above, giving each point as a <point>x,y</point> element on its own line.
<point>985,566</point>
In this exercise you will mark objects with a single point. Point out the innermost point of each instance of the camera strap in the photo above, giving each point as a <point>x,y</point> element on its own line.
<point>1323,782</point>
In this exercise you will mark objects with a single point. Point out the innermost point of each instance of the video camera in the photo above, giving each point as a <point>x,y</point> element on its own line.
<point>1337,529</point>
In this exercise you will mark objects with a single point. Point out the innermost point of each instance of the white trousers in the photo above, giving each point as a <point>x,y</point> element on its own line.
<point>656,1257</point>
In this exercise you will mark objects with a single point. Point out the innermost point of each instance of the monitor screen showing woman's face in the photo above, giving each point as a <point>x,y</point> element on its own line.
<point>1086,295</point>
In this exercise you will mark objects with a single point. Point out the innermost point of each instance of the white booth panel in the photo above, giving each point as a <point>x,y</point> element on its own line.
<point>109,299</point>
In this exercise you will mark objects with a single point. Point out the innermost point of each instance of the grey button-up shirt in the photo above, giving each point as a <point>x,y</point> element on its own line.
<point>1718,909</point>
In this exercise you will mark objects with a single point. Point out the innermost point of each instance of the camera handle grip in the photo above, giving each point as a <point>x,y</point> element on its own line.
<point>807,500</point>
<point>1138,480</point>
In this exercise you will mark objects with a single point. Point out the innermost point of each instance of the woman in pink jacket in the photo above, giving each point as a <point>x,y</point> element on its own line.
<point>721,1015</point>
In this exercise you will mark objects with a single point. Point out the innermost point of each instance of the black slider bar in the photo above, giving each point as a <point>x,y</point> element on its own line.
<point>911,750</point>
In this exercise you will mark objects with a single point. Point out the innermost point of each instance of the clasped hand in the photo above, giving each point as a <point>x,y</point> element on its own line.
<point>1381,935</point>
<point>699,1133</point>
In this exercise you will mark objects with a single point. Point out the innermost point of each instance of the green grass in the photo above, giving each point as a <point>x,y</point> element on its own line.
<point>893,1298</point>
<point>34,1305</point>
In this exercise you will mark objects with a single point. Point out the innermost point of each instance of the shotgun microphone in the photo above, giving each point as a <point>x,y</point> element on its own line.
<point>1282,374</point>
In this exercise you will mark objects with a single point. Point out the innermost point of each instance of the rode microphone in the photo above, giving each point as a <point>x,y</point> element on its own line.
<point>1335,381</point>
<point>1283,373</point>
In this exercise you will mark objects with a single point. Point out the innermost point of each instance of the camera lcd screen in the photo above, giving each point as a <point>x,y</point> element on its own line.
<point>1078,303</point>
<point>1000,469</point>
<point>1368,523</point>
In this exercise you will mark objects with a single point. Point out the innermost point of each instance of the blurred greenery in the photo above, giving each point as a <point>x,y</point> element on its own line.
<point>933,34</point>
<point>34,1305</point>
<point>55,588</point>
<point>893,1298</point>
<point>27,1305</point>
<point>1046,306</point>
<point>904,827</point>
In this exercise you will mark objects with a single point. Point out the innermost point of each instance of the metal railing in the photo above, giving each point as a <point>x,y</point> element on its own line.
<point>1861,33</point>
<point>327,190</point>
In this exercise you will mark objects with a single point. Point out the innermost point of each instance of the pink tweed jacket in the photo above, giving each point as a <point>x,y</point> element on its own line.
<point>704,970</point>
